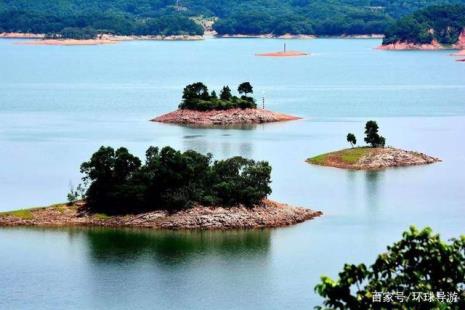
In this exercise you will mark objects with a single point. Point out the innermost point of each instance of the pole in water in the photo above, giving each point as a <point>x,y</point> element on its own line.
<point>284,47</point>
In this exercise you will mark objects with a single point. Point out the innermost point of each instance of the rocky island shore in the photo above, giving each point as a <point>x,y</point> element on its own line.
<point>200,107</point>
<point>266,215</point>
<point>368,158</point>
<point>223,117</point>
<point>283,54</point>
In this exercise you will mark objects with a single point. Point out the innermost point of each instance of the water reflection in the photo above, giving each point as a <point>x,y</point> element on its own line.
<point>172,247</point>
<point>225,145</point>
<point>373,180</point>
<point>231,126</point>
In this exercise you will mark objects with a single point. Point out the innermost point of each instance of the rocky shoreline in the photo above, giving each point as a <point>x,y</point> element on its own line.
<point>366,158</point>
<point>402,46</point>
<point>267,215</point>
<point>223,117</point>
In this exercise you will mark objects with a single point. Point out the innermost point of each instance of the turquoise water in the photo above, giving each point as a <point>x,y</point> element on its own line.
<point>58,104</point>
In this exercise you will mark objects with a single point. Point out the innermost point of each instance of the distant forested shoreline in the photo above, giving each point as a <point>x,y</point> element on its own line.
<point>443,24</point>
<point>86,19</point>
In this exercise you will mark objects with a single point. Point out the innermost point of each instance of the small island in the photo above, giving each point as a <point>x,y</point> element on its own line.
<point>283,53</point>
<point>373,157</point>
<point>199,107</point>
<point>170,190</point>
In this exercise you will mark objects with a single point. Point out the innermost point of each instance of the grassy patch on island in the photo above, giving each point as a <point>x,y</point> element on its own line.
<point>343,157</point>
<point>25,214</point>
<point>102,216</point>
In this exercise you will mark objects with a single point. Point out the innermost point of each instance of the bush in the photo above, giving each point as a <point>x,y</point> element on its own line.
<point>171,180</point>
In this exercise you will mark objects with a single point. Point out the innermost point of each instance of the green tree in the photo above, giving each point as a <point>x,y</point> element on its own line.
<point>351,139</point>
<point>214,95</point>
<point>225,93</point>
<point>195,91</point>
<point>381,141</point>
<point>245,88</point>
<point>239,180</point>
<point>372,136</point>
<point>110,173</point>
<point>419,263</point>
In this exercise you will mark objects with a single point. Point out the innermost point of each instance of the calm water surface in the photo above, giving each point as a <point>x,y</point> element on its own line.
<point>58,104</point>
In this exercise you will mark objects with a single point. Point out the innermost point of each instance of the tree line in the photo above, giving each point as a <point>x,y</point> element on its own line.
<point>168,17</point>
<point>120,183</point>
<point>89,24</point>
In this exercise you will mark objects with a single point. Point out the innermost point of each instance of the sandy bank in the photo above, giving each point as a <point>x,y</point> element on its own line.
<point>223,117</point>
<point>40,39</point>
<point>268,214</point>
<point>153,38</point>
<point>19,35</point>
<point>67,42</point>
<point>366,158</point>
<point>283,54</point>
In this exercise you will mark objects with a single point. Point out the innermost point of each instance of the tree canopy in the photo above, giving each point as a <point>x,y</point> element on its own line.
<point>245,88</point>
<point>351,139</point>
<point>372,136</point>
<point>196,97</point>
<point>121,183</point>
<point>420,271</point>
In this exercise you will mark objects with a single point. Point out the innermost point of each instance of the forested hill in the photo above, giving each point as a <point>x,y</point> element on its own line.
<point>168,17</point>
<point>441,23</point>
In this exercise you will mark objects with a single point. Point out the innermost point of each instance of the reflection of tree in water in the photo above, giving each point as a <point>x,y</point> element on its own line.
<point>171,247</point>
<point>373,179</point>
<point>223,147</point>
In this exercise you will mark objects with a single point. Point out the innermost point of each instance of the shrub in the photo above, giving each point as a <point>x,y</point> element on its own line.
<point>419,263</point>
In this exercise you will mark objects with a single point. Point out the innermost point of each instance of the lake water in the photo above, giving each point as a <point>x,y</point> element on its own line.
<point>59,104</point>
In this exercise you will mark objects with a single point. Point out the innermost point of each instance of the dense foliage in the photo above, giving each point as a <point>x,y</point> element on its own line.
<point>372,136</point>
<point>441,23</point>
<point>196,97</point>
<point>321,17</point>
<point>418,272</point>
<point>99,16</point>
<point>120,183</point>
